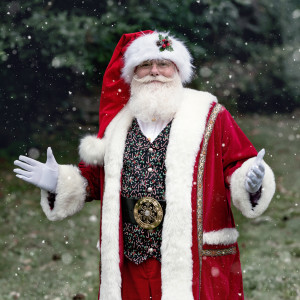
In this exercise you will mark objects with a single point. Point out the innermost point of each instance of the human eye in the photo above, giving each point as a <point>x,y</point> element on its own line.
<point>145,64</point>
<point>163,63</point>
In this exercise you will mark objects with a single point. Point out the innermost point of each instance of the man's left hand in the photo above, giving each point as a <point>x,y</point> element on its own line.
<point>255,174</point>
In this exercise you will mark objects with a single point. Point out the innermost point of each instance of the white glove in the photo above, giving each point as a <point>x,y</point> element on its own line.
<point>41,175</point>
<point>255,174</point>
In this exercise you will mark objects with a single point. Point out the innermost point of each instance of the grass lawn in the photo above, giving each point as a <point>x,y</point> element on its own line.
<point>270,244</point>
<point>40,259</point>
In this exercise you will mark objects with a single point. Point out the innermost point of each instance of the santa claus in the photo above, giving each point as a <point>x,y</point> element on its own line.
<point>167,164</point>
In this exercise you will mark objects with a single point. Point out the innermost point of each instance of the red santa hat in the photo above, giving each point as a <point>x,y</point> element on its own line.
<point>157,45</point>
<point>133,49</point>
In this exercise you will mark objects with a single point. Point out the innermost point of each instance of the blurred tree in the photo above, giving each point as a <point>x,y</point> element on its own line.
<point>290,27</point>
<point>242,51</point>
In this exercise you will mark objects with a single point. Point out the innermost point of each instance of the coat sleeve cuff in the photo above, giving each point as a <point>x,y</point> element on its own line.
<point>70,194</point>
<point>241,198</point>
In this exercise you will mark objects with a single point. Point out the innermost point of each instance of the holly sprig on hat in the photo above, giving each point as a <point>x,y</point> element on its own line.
<point>164,43</point>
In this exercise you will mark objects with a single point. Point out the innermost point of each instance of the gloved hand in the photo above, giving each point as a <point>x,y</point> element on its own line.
<point>255,174</point>
<point>41,175</point>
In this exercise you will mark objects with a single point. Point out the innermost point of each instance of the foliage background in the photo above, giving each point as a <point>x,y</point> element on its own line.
<point>245,51</point>
<point>53,55</point>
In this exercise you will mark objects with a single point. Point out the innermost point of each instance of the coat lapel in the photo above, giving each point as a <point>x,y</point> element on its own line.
<point>185,139</point>
<point>113,163</point>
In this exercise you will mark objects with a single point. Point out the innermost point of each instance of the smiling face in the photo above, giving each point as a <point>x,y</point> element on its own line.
<point>155,68</point>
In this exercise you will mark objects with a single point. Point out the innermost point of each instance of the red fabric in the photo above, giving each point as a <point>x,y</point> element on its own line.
<point>221,276</point>
<point>92,175</point>
<point>115,92</point>
<point>140,282</point>
<point>223,156</point>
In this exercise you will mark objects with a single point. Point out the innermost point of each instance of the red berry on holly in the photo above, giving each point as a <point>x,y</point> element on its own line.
<point>164,40</point>
<point>164,46</point>
<point>168,44</point>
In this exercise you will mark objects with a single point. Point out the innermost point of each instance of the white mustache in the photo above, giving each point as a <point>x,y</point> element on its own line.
<point>157,100</point>
<point>150,78</point>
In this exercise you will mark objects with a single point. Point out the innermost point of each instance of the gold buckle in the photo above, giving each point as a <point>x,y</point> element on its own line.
<point>148,213</point>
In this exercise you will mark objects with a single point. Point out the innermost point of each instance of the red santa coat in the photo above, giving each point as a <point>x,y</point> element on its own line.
<point>207,159</point>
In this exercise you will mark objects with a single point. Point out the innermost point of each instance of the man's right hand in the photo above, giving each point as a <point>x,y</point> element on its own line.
<point>41,175</point>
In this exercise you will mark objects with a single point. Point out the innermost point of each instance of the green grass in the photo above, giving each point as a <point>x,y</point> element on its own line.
<point>40,259</point>
<point>270,245</point>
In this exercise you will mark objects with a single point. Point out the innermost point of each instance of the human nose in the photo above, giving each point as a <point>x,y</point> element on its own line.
<point>154,71</point>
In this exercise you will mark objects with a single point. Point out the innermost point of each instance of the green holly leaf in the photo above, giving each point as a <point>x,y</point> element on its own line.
<point>160,37</point>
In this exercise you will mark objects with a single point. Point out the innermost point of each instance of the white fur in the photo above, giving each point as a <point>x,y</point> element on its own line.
<point>224,236</point>
<point>185,138</point>
<point>71,194</point>
<point>241,198</point>
<point>145,48</point>
<point>92,149</point>
<point>159,101</point>
<point>110,271</point>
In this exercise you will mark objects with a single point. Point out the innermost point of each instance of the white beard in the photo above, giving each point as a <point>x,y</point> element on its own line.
<point>155,100</point>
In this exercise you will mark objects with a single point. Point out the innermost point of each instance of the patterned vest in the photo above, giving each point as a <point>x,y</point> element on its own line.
<point>143,175</point>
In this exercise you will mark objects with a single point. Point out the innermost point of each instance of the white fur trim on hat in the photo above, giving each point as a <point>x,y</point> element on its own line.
<point>92,150</point>
<point>241,198</point>
<point>145,48</point>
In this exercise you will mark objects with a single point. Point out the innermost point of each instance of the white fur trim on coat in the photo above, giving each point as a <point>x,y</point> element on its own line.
<point>116,134</point>
<point>241,198</point>
<point>92,149</point>
<point>224,236</point>
<point>186,135</point>
<point>70,194</point>
<point>145,48</point>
